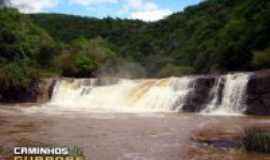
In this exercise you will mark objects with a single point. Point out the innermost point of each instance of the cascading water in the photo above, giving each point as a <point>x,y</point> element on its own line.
<point>151,95</point>
<point>216,96</point>
<point>232,99</point>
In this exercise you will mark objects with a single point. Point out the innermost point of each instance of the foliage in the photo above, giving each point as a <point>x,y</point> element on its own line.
<point>16,76</point>
<point>23,48</point>
<point>213,36</point>
<point>255,139</point>
<point>261,59</point>
<point>179,71</point>
<point>83,57</point>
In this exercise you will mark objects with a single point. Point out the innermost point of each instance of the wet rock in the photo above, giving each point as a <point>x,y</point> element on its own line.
<point>106,81</point>
<point>258,93</point>
<point>215,135</point>
<point>223,144</point>
<point>44,91</point>
<point>200,96</point>
<point>38,92</point>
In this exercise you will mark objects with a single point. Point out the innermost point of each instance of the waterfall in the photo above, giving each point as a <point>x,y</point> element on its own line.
<point>227,96</point>
<point>232,99</point>
<point>153,95</point>
<point>216,96</point>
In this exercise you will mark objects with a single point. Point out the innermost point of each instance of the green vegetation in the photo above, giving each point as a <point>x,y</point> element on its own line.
<point>261,59</point>
<point>170,70</point>
<point>82,57</point>
<point>21,43</point>
<point>256,140</point>
<point>213,36</point>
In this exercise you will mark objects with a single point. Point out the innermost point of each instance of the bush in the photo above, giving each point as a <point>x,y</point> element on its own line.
<point>85,64</point>
<point>16,76</point>
<point>83,57</point>
<point>255,139</point>
<point>261,59</point>
<point>76,65</point>
<point>173,70</point>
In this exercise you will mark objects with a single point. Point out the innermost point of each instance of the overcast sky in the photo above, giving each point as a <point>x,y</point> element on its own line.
<point>147,10</point>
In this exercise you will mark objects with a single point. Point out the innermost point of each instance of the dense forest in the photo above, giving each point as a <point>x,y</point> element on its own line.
<point>215,36</point>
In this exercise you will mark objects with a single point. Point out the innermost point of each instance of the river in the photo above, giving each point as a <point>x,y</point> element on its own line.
<point>123,136</point>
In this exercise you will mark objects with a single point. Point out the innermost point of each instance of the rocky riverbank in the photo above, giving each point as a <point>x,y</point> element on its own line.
<point>258,93</point>
<point>39,92</point>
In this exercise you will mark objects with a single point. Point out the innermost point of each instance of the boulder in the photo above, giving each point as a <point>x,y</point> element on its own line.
<point>200,96</point>
<point>258,93</point>
<point>44,91</point>
<point>38,92</point>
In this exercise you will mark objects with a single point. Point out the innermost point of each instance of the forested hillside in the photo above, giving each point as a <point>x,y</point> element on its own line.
<point>214,36</point>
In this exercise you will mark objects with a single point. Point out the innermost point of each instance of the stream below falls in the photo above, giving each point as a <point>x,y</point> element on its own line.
<point>125,136</point>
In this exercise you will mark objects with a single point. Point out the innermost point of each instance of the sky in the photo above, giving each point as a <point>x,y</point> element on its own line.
<point>146,10</point>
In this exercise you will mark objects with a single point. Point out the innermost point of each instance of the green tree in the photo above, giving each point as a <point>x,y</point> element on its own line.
<point>261,59</point>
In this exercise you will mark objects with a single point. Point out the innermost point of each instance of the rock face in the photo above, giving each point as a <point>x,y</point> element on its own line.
<point>38,92</point>
<point>200,96</point>
<point>44,90</point>
<point>258,93</point>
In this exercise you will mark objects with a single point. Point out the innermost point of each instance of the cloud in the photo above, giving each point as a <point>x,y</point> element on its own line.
<point>92,2</point>
<point>33,6</point>
<point>151,15</point>
<point>146,11</point>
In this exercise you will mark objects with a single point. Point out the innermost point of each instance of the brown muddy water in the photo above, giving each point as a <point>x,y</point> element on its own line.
<point>123,136</point>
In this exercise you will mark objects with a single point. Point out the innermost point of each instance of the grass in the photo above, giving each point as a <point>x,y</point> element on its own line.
<point>5,152</point>
<point>256,140</point>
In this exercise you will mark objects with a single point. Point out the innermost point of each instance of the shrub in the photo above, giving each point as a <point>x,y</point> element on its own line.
<point>173,70</point>
<point>255,139</point>
<point>76,65</point>
<point>83,57</point>
<point>261,58</point>
<point>17,80</point>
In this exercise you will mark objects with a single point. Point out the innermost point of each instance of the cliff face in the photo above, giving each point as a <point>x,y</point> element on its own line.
<point>197,100</point>
<point>38,92</point>
<point>258,93</point>
<point>44,90</point>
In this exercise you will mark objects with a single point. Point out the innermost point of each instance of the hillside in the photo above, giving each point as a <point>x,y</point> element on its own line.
<point>213,36</point>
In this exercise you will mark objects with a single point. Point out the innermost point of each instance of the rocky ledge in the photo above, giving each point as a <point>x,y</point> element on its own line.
<point>258,93</point>
<point>39,92</point>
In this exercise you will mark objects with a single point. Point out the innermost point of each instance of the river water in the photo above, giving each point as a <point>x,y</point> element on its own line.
<point>124,136</point>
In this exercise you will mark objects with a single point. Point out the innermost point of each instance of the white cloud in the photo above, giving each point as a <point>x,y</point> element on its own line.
<point>33,6</point>
<point>146,10</point>
<point>151,15</point>
<point>134,4</point>
<point>92,2</point>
